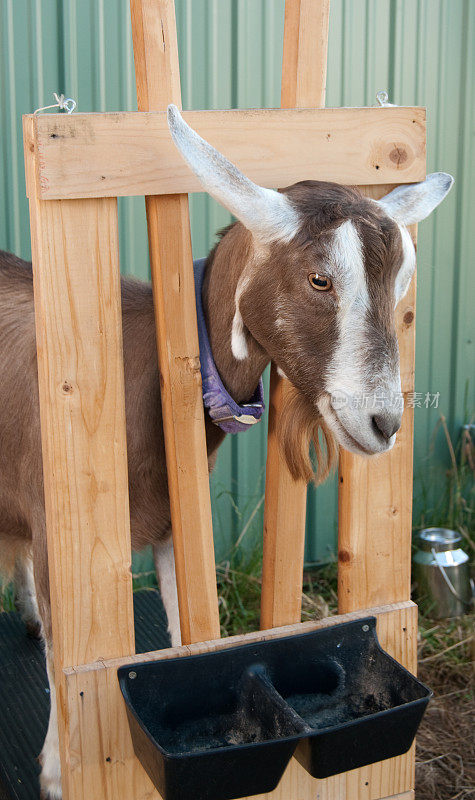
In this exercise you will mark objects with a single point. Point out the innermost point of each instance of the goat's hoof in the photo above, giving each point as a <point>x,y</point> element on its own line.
<point>50,792</point>
<point>175,637</point>
<point>50,777</point>
<point>50,788</point>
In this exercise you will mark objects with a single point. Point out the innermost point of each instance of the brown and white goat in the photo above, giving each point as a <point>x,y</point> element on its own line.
<point>308,277</point>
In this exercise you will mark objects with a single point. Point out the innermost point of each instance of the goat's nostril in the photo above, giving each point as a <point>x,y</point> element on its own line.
<point>387,424</point>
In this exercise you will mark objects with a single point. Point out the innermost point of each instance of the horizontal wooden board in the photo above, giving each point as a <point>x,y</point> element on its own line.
<point>107,155</point>
<point>101,747</point>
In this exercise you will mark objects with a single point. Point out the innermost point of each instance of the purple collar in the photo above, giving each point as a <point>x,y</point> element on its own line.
<point>222,409</point>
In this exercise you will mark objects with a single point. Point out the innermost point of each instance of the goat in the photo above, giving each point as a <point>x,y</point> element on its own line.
<point>308,277</point>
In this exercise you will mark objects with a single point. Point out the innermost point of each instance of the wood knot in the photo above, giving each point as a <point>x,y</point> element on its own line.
<point>398,155</point>
<point>408,317</point>
<point>344,556</point>
<point>191,364</point>
<point>66,388</point>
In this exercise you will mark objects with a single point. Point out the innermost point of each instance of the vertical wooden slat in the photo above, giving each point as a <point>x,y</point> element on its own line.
<point>82,406</point>
<point>374,525</point>
<point>158,83</point>
<point>375,495</point>
<point>303,85</point>
<point>93,695</point>
<point>304,65</point>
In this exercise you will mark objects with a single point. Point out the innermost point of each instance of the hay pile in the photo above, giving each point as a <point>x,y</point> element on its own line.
<point>445,754</point>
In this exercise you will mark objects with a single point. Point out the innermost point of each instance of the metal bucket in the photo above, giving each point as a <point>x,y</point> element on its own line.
<point>441,571</point>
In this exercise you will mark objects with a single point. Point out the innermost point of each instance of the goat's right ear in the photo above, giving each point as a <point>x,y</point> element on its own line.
<point>269,215</point>
<point>414,202</point>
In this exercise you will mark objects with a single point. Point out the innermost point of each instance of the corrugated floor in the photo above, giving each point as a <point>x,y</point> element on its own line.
<point>24,694</point>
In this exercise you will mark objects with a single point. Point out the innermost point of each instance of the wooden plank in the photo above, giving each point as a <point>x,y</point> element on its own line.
<point>82,405</point>
<point>304,66</point>
<point>284,525</point>
<point>284,520</point>
<point>375,496</point>
<point>93,695</point>
<point>158,83</point>
<point>103,155</point>
<point>375,516</point>
<point>375,524</point>
<point>405,796</point>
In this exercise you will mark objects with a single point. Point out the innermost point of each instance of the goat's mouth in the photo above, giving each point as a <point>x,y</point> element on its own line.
<point>368,442</point>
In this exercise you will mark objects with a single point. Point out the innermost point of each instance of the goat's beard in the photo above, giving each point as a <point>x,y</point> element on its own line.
<point>300,425</point>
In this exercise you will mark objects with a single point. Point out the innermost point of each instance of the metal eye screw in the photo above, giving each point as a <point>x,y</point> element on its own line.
<point>132,675</point>
<point>366,628</point>
<point>383,98</point>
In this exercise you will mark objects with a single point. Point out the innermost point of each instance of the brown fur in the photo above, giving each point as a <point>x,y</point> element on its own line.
<point>276,287</point>
<point>299,427</point>
<point>284,319</point>
<point>323,206</point>
<point>21,485</point>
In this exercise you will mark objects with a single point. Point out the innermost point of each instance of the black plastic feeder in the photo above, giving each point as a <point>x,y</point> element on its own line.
<point>224,725</point>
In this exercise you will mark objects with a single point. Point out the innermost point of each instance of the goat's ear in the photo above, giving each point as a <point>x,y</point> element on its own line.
<point>269,215</point>
<point>415,201</point>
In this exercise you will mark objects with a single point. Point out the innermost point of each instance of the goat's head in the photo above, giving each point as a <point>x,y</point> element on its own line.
<point>326,270</point>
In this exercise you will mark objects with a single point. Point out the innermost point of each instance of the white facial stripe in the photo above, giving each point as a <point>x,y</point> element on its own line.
<point>346,259</point>
<point>346,256</point>
<point>348,374</point>
<point>404,276</point>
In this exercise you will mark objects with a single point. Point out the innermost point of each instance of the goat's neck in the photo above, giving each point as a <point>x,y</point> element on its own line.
<point>225,267</point>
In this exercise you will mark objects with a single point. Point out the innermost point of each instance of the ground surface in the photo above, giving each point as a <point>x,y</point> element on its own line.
<point>24,693</point>
<point>445,745</point>
<point>445,765</point>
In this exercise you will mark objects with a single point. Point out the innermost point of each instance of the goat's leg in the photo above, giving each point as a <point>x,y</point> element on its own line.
<point>25,594</point>
<point>164,558</point>
<point>50,777</point>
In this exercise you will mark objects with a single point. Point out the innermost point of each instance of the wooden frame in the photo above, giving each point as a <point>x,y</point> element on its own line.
<point>96,713</point>
<point>109,155</point>
<point>74,173</point>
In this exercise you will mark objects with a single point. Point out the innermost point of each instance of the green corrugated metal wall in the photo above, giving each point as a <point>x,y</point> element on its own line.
<point>230,50</point>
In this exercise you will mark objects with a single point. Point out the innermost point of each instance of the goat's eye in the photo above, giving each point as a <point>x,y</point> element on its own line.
<point>320,282</point>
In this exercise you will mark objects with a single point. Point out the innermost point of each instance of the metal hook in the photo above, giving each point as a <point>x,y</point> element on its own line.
<point>383,99</point>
